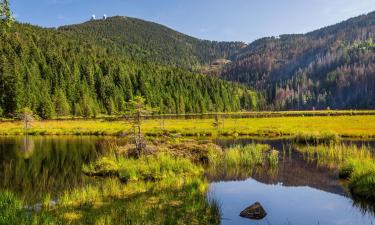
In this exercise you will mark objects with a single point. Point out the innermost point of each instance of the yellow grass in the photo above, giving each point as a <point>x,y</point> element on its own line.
<point>359,126</point>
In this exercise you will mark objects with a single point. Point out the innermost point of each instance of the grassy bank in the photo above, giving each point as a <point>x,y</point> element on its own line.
<point>156,167</point>
<point>355,164</point>
<point>172,201</point>
<point>358,126</point>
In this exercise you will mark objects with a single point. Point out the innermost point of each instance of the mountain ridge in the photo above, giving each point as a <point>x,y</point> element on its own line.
<point>150,41</point>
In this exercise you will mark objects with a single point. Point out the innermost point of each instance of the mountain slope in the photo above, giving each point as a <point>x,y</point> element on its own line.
<point>331,67</point>
<point>55,74</point>
<point>148,41</point>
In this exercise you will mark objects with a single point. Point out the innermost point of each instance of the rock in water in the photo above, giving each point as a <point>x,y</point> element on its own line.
<point>255,212</point>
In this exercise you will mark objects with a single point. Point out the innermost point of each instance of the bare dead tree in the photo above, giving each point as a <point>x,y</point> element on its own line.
<point>26,115</point>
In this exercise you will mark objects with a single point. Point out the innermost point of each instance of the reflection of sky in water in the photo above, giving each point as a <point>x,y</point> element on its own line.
<point>286,205</point>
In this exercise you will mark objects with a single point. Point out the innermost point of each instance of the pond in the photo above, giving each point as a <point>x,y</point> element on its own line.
<point>297,192</point>
<point>300,193</point>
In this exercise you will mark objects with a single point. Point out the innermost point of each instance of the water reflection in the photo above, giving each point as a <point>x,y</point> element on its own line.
<point>286,205</point>
<point>33,166</point>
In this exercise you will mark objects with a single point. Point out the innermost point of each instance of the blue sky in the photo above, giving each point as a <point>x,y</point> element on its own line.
<point>225,20</point>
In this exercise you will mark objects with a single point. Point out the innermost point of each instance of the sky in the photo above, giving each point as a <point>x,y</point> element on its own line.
<point>220,20</point>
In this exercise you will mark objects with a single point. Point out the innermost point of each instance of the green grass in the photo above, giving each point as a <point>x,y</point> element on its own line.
<point>334,155</point>
<point>283,125</point>
<point>171,201</point>
<point>11,211</point>
<point>355,164</point>
<point>152,167</point>
<point>361,176</point>
<point>273,158</point>
<point>252,155</point>
<point>316,138</point>
<point>245,156</point>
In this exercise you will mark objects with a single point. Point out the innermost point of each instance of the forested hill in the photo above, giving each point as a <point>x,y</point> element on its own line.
<point>148,41</point>
<point>55,74</point>
<point>331,67</point>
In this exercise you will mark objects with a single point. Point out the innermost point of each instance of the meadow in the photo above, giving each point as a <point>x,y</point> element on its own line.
<point>279,125</point>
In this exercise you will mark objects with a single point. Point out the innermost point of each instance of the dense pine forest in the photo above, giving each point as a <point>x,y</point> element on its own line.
<point>54,74</point>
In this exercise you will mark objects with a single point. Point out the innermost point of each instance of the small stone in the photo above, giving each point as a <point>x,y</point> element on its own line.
<point>255,212</point>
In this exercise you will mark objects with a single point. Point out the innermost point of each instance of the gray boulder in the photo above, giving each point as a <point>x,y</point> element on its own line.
<point>255,212</point>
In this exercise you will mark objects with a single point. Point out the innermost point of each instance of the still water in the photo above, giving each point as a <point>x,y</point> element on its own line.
<point>297,193</point>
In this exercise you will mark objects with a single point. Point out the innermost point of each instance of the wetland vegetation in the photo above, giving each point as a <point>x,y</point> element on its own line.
<point>161,170</point>
<point>344,126</point>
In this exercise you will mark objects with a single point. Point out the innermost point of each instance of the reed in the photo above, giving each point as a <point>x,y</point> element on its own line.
<point>316,138</point>
<point>151,167</point>
<point>245,156</point>
<point>334,155</point>
<point>273,159</point>
<point>356,164</point>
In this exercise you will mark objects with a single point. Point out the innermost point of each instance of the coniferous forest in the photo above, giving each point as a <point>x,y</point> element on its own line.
<point>54,74</point>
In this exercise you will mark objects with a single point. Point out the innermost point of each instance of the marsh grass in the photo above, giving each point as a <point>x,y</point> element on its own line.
<point>346,126</point>
<point>334,155</point>
<point>273,159</point>
<point>171,201</point>
<point>150,167</point>
<point>361,176</point>
<point>11,211</point>
<point>245,156</point>
<point>317,138</point>
<point>356,164</point>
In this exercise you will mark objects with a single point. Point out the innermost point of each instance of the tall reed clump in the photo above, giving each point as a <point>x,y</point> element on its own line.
<point>361,176</point>
<point>334,155</point>
<point>317,138</point>
<point>273,159</point>
<point>356,164</point>
<point>245,156</point>
<point>156,167</point>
